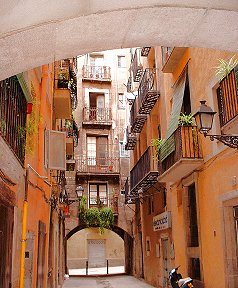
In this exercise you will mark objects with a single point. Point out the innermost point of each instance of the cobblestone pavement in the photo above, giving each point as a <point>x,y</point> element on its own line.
<point>122,281</point>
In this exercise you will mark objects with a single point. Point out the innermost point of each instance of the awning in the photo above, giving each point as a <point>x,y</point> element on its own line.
<point>168,145</point>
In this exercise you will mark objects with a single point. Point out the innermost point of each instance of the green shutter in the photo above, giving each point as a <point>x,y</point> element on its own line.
<point>24,87</point>
<point>168,145</point>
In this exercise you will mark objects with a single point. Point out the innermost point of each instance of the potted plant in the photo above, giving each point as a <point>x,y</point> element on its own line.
<point>185,120</point>
<point>225,67</point>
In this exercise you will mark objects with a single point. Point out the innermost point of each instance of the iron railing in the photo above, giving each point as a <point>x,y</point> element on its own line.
<point>94,114</point>
<point>227,95</point>
<point>137,120</point>
<point>13,107</point>
<point>97,165</point>
<point>131,139</point>
<point>145,165</point>
<point>186,147</point>
<point>145,51</point>
<point>147,91</point>
<point>70,127</point>
<point>136,65</point>
<point>98,73</point>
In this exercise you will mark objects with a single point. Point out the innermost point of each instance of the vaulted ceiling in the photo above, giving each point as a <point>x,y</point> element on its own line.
<point>33,33</point>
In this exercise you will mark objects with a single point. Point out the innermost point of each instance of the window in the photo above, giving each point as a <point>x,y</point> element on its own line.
<point>192,211</point>
<point>194,268</point>
<point>186,106</point>
<point>227,97</point>
<point>121,61</point>
<point>97,150</point>
<point>96,60</point>
<point>123,151</point>
<point>150,205</point>
<point>121,101</point>
<point>97,107</point>
<point>97,195</point>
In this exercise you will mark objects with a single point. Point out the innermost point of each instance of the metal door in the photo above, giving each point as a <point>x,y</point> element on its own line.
<point>96,253</point>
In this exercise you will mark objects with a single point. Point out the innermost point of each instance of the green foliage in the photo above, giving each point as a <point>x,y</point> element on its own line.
<point>3,127</point>
<point>185,120</point>
<point>225,67</point>
<point>156,143</point>
<point>95,217</point>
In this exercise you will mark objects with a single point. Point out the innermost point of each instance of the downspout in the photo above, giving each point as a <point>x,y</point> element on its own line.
<point>23,240</point>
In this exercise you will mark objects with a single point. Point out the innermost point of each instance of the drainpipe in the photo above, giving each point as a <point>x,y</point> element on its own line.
<point>23,240</point>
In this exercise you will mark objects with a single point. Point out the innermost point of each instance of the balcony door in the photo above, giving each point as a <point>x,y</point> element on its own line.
<point>97,151</point>
<point>97,105</point>
<point>96,64</point>
<point>97,194</point>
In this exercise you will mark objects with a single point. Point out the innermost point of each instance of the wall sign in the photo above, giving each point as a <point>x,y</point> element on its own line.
<point>162,221</point>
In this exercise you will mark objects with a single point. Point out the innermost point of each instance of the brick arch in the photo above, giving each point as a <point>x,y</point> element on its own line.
<point>128,243</point>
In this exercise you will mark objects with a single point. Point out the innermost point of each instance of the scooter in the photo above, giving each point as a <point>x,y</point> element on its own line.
<point>177,281</point>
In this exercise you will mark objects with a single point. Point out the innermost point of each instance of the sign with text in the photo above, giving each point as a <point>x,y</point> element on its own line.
<point>162,221</point>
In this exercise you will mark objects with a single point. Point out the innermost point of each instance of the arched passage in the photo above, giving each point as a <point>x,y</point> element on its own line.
<point>33,34</point>
<point>127,239</point>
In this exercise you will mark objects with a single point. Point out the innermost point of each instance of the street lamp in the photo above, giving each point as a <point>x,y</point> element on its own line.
<point>79,191</point>
<point>204,120</point>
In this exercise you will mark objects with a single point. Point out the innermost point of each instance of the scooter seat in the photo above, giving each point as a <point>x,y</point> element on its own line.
<point>183,281</point>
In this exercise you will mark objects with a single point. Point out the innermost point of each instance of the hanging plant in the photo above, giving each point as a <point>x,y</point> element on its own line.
<point>156,143</point>
<point>185,120</point>
<point>225,67</point>
<point>95,217</point>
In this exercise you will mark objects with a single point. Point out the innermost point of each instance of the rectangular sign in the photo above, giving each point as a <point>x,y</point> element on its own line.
<point>162,221</point>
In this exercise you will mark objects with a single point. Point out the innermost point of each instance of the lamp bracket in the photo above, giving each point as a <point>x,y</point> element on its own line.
<point>229,140</point>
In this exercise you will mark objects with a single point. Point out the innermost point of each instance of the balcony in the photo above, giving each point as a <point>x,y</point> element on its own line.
<point>185,158</point>
<point>106,166</point>
<point>148,91</point>
<point>137,120</point>
<point>96,73</point>
<point>171,57</point>
<point>145,51</point>
<point>13,110</point>
<point>136,65</point>
<point>130,139</point>
<point>227,99</point>
<point>145,173</point>
<point>97,116</point>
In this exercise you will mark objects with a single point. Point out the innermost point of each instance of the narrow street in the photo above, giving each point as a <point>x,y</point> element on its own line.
<point>121,281</point>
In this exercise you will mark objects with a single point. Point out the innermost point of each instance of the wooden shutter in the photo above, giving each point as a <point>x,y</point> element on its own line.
<point>102,150</point>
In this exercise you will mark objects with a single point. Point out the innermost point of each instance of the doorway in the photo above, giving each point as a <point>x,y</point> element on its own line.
<point>165,259</point>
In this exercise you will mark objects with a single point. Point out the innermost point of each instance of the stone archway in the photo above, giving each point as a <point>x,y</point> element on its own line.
<point>33,34</point>
<point>128,244</point>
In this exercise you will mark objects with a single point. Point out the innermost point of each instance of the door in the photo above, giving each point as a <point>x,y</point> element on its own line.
<point>165,251</point>
<point>6,235</point>
<point>96,253</point>
<point>100,108</point>
<point>41,254</point>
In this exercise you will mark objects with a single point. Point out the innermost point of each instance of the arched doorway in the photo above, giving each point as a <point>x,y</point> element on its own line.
<point>92,253</point>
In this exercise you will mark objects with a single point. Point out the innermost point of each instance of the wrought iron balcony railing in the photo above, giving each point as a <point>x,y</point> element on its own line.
<point>13,109</point>
<point>96,73</point>
<point>145,173</point>
<point>97,115</point>
<point>137,120</point>
<point>148,91</point>
<point>145,51</point>
<point>185,158</point>
<point>130,139</point>
<point>136,65</point>
<point>97,165</point>
<point>227,95</point>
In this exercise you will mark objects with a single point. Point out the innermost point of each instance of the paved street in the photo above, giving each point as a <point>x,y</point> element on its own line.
<point>122,281</point>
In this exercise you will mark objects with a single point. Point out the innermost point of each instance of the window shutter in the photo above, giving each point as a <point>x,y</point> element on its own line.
<point>169,144</point>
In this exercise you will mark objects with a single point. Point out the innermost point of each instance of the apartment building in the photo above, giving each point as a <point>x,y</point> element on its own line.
<point>101,161</point>
<point>186,199</point>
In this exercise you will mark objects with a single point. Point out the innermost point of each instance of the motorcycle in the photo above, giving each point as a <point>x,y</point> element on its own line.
<point>177,281</point>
